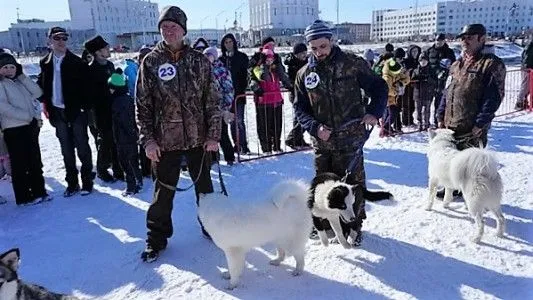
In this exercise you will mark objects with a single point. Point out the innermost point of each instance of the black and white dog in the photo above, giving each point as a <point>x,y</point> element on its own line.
<point>337,206</point>
<point>12,288</point>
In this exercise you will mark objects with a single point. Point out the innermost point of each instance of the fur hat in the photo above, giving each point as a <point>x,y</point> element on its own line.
<point>317,30</point>
<point>95,44</point>
<point>7,59</point>
<point>173,14</point>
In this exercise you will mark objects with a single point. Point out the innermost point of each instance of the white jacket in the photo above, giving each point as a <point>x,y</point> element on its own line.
<point>18,101</point>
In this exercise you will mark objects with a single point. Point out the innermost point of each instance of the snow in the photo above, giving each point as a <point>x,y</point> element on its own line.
<point>90,246</point>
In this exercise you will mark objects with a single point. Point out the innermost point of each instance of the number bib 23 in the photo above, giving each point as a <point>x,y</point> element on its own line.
<point>166,72</point>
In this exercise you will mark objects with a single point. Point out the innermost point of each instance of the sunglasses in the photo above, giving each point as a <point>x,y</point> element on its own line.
<point>60,38</point>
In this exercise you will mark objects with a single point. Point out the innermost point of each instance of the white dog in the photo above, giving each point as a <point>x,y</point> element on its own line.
<point>473,171</point>
<point>281,217</point>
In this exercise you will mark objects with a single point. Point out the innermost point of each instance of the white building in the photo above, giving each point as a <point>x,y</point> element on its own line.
<point>282,14</point>
<point>135,19</point>
<point>500,17</point>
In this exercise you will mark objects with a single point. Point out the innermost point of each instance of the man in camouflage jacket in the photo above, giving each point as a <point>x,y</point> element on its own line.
<point>474,90</point>
<point>329,105</point>
<point>179,116</point>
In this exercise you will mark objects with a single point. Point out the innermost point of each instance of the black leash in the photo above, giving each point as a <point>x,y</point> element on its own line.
<point>353,162</point>
<point>220,178</point>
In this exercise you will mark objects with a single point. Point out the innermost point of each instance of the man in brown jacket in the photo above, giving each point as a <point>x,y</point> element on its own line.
<point>474,91</point>
<point>178,114</point>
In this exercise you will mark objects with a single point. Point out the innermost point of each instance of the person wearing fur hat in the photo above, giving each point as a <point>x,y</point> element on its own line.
<point>20,121</point>
<point>100,70</point>
<point>179,116</point>
<point>294,62</point>
<point>125,132</point>
<point>226,91</point>
<point>424,84</point>
<point>329,105</point>
<point>64,80</point>
<point>397,80</point>
<point>200,44</point>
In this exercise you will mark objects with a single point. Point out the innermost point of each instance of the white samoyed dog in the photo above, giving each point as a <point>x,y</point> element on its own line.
<point>473,171</point>
<point>281,216</point>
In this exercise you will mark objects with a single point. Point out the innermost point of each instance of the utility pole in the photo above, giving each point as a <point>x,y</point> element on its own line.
<point>337,26</point>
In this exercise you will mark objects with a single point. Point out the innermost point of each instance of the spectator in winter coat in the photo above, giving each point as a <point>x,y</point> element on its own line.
<point>226,92</point>
<point>88,58</point>
<point>20,122</point>
<point>470,102</point>
<point>268,102</point>
<point>63,79</point>
<point>189,125</point>
<point>100,70</point>
<point>277,66</point>
<point>200,44</point>
<point>408,103</point>
<point>397,80</point>
<point>130,72</point>
<point>423,83</point>
<point>527,68</point>
<point>237,63</point>
<point>125,132</point>
<point>336,118</point>
<point>439,51</point>
<point>389,53</point>
<point>294,62</point>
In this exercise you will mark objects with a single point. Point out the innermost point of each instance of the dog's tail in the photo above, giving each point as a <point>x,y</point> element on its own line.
<point>374,196</point>
<point>481,167</point>
<point>288,192</point>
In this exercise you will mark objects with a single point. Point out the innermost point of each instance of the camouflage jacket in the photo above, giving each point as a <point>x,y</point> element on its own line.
<point>177,99</point>
<point>328,92</point>
<point>474,92</point>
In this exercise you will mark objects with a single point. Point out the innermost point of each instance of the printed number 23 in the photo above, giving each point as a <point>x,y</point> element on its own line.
<point>166,72</point>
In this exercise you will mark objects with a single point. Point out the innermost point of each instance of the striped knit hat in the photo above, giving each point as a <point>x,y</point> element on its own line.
<point>317,30</point>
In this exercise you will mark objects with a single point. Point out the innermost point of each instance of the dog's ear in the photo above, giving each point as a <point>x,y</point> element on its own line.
<point>11,259</point>
<point>431,133</point>
<point>336,197</point>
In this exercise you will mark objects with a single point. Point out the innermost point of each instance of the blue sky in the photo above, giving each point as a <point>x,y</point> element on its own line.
<point>359,11</point>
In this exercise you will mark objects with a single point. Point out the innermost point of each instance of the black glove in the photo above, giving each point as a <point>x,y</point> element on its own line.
<point>259,92</point>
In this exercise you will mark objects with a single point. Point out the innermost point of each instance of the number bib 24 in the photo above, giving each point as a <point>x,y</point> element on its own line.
<point>166,72</point>
<point>312,80</point>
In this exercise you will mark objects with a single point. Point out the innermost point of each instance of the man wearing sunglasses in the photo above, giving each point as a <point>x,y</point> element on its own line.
<point>63,79</point>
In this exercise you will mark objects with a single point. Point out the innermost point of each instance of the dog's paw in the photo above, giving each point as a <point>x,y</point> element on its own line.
<point>334,240</point>
<point>500,234</point>
<point>275,262</point>
<point>428,208</point>
<point>296,273</point>
<point>231,286</point>
<point>225,275</point>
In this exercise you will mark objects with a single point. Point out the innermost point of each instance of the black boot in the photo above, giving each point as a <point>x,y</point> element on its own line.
<point>149,254</point>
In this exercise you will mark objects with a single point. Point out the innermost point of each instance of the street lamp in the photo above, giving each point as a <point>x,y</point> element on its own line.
<point>216,22</point>
<point>201,25</point>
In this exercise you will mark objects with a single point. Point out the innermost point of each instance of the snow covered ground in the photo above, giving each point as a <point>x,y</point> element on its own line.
<point>90,246</point>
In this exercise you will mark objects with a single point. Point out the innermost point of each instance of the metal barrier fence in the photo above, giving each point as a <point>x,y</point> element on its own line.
<point>251,128</point>
<point>513,83</point>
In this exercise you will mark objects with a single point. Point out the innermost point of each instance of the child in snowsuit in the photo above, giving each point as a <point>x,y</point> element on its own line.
<point>396,79</point>
<point>125,132</point>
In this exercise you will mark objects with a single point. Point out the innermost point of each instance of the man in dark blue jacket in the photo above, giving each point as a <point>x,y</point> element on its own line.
<point>330,106</point>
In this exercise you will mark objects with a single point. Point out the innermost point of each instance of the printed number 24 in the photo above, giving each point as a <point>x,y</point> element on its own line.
<point>164,72</point>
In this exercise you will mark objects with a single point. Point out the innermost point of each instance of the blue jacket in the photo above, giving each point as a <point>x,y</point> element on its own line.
<point>131,74</point>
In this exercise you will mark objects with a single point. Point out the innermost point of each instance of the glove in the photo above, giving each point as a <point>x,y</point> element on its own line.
<point>228,117</point>
<point>259,92</point>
